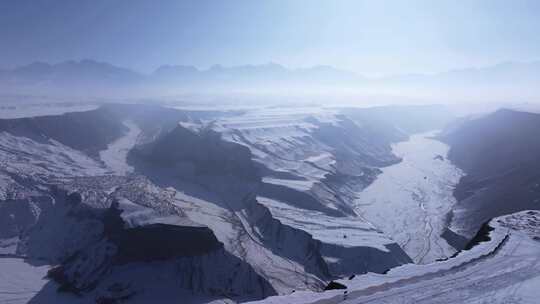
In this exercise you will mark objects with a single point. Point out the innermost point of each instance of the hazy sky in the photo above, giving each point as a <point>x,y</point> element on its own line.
<point>370,37</point>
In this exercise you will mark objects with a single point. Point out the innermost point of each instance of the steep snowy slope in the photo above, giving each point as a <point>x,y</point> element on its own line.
<point>222,174</point>
<point>408,119</point>
<point>499,154</point>
<point>26,167</point>
<point>505,268</point>
<point>314,163</point>
<point>88,131</point>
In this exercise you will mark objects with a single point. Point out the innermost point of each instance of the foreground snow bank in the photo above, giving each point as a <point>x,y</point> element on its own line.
<point>503,269</point>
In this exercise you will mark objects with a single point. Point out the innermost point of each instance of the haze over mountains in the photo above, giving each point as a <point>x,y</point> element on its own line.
<point>269,152</point>
<point>510,81</point>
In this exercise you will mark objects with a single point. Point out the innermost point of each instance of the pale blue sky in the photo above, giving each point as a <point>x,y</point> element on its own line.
<point>369,37</point>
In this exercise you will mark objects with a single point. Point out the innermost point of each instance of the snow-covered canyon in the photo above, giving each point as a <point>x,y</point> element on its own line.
<point>219,205</point>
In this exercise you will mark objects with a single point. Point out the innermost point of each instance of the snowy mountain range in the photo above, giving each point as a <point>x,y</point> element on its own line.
<point>510,80</point>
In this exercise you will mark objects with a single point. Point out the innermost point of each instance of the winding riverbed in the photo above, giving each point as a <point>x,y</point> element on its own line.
<point>409,200</point>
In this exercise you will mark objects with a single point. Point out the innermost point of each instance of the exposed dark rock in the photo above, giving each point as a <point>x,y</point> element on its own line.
<point>162,242</point>
<point>74,198</point>
<point>155,241</point>
<point>112,220</point>
<point>481,236</point>
<point>204,151</point>
<point>334,285</point>
<point>58,275</point>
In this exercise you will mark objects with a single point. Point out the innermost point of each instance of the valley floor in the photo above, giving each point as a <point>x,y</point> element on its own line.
<point>115,156</point>
<point>409,201</point>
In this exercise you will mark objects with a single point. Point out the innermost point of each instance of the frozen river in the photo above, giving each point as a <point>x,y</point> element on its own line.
<point>115,156</point>
<point>409,201</point>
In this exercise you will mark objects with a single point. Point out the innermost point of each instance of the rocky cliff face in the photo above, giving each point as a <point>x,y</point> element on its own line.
<point>499,153</point>
<point>293,244</point>
<point>203,151</point>
<point>197,258</point>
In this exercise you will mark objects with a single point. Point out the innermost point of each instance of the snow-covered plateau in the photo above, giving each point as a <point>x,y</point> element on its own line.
<point>143,203</point>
